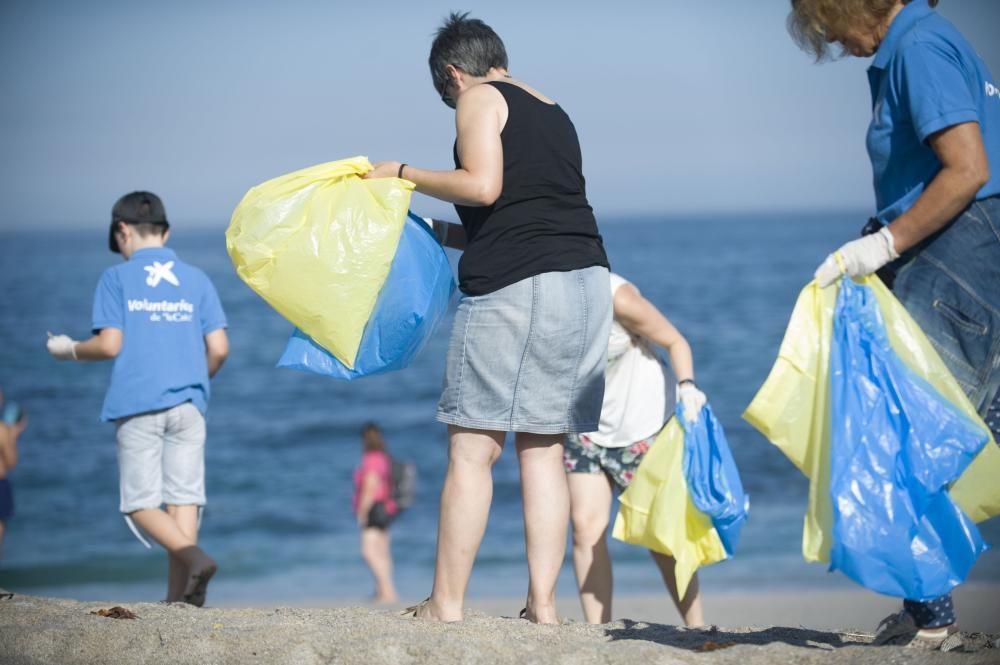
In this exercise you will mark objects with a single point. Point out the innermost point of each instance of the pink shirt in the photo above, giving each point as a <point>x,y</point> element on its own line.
<point>379,463</point>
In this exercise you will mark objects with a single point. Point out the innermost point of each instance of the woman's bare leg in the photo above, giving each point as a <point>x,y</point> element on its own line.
<point>465,508</point>
<point>545,496</point>
<point>590,507</point>
<point>376,553</point>
<point>689,606</point>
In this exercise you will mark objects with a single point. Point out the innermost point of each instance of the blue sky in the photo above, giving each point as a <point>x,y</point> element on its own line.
<point>682,108</point>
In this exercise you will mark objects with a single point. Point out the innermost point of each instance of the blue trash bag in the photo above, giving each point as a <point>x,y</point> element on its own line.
<point>413,299</point>
<point>712,477</point>
<point>896,444</point>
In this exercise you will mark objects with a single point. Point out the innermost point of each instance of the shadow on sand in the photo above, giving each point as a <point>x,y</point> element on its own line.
<point>712,638</point>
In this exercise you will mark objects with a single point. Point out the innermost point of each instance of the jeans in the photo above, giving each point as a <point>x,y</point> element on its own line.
<point>530,357</point>
<point>950,285</point>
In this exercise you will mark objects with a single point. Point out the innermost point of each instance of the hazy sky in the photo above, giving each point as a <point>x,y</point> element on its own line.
<point>681,107</point>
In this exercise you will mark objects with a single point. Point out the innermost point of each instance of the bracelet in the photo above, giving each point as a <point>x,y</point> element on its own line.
<point>399,174</point>
<point>691,381</point>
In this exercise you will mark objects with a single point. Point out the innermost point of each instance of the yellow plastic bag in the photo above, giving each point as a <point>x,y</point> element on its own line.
<point>317,245</point>
<point>792,408</point>
<point>656,510</point>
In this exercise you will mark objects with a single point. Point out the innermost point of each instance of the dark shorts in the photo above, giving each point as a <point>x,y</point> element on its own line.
<point>379,517</point>
<point>6,500</point>
<point>619,464</point>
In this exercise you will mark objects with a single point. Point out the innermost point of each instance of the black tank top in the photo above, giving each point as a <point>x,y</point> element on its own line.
<point>541,222</point>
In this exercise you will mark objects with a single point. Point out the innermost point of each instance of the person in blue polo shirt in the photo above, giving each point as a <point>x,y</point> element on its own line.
<point>161,321</point>
<point>934,145</point>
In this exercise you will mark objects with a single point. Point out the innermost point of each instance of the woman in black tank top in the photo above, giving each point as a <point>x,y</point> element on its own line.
<point>528,347</point>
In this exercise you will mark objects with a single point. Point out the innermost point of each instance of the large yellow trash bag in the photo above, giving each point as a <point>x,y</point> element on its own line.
<point>317,245</point>
<point>656,510</point>
<point>792,408</point>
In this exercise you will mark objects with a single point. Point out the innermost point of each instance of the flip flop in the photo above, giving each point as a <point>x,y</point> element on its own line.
<point>412,611</point>
<point>523,614</point>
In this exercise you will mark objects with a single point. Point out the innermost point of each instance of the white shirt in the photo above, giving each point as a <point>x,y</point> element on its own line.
<point>638,388</point>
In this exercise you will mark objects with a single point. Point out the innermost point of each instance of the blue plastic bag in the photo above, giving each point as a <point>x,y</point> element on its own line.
<point>712,477</point>
<point>896,444</point>
<point>413,299</point>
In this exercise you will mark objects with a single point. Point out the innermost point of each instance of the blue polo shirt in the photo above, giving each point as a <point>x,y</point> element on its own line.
<point>164,308</point>
<point>925,77</point>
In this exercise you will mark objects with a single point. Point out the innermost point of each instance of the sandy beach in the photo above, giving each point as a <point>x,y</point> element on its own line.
<point>46,630</point>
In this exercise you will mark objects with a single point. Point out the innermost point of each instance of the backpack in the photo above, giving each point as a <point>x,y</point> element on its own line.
<point>404,483</point>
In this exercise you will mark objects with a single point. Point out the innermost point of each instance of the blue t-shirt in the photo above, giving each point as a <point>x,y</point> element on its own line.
<point>925,78</point>
<point>164,308</point>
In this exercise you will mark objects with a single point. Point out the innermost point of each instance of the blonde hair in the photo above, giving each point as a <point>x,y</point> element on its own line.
<point>810,21</point>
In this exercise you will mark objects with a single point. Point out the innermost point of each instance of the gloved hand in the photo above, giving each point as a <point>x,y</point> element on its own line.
<point>858,257</point>
<point>62,347</point>
<point>692,399</point>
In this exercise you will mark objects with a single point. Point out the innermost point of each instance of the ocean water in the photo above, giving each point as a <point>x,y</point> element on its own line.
<point>282,444</point>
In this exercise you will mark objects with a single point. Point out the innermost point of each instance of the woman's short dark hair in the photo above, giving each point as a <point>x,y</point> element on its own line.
<point>467,44</point>
<point>371,438</point>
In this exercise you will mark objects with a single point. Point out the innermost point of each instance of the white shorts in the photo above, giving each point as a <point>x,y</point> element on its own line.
<point>161,458</point>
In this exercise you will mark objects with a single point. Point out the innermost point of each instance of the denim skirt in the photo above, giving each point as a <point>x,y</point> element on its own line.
<point>950,285</point>
<point>530,357</point>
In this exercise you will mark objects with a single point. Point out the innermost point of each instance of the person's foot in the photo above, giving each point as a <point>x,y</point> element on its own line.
<point>200,571</point>
<point>900,629</point>
<point>385,598</point>
<point>543,614</point>
<point>431,611</point>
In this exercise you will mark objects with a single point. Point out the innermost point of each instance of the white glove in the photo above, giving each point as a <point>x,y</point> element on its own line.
<point>692,400</point>
<point>858,257</point>
<point>62,347</point>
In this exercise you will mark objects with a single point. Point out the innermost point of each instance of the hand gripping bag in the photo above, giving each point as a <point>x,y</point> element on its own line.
<point>318,244</point>
<point>686,499</point>
<point>896,444</point>
<point>712,477</point>
<point>414,298</point>
<point>793,408</point>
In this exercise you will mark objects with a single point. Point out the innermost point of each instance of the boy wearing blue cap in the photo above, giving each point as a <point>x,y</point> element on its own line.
<point>162,323</point>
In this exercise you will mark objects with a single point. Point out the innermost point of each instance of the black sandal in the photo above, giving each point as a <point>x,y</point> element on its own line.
<point>412,611</point>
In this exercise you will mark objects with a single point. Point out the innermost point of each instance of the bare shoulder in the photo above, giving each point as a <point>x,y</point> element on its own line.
<point>628,293</point>
<point>478,105</point>
<point>482,95</point>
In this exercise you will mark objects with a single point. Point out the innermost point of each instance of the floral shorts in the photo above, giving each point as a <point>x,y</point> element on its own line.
<point>619,464</point>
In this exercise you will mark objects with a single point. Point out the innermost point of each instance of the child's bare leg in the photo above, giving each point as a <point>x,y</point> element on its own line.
<point>186,518</point>
<point>590,507</point>
<point>689,606</point>
<point>164,530</point>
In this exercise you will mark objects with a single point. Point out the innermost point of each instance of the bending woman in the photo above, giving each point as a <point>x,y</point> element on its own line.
<point>635,409</point>
<point>528,345</point>
<point>934,144</point>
